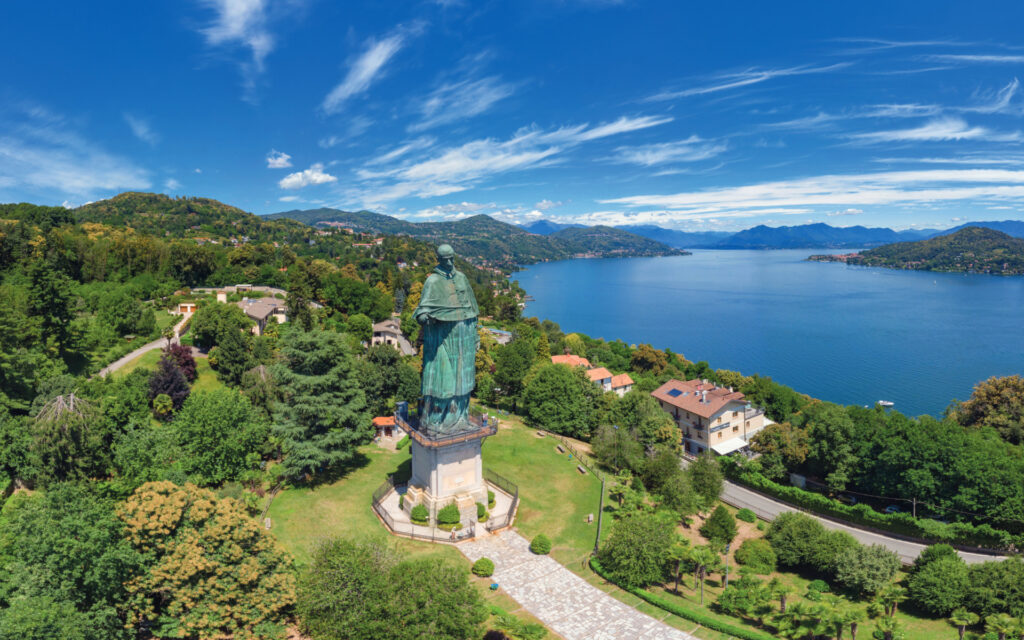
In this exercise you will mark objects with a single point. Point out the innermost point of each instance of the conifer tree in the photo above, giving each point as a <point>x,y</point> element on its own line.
<point>169,380</point>
<point>323,416</point>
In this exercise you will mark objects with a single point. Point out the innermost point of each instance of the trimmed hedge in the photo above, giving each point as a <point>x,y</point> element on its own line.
<point>419,514</point>
<point>541,545</point>
<point>484,567</point>
<point>490,499</point>
<point>699,617</point>
<point>449,514</point>
<point>403,442</point>
<point>963,533</point>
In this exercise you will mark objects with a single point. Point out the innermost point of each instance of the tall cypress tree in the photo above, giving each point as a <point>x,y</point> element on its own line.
<point>322,416</point>
<point>234,356</point>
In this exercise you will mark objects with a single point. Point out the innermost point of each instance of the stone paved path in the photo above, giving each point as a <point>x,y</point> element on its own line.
<point>563,601</point>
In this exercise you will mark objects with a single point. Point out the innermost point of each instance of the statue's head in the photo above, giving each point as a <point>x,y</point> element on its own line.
<point>446,257</point>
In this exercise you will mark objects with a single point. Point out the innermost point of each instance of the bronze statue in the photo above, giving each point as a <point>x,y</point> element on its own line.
<point>448,314</point>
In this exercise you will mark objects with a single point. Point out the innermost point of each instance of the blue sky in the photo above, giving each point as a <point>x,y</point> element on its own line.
<point>710,116</point>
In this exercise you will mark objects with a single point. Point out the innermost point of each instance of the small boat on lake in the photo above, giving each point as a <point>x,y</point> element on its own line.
<point>886,403</point>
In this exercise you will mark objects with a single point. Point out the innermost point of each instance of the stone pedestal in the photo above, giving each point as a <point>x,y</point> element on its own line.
<point>447,473</point>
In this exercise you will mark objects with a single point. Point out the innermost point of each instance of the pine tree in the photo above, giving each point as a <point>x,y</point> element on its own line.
<point>301,290</point>
<point>234,357</point>
<point>323,416</point>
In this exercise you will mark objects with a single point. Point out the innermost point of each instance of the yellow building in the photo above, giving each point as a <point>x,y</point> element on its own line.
<point>709,416</point>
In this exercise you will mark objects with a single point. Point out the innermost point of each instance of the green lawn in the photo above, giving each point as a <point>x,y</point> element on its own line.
<point>165,319</point>
<point>147,360</point>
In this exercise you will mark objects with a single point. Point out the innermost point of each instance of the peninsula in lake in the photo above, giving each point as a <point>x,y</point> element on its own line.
<point>969,250</point>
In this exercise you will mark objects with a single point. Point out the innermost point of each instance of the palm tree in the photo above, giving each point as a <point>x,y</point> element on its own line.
<point>780,591</point>
<point>706,561</point>
<point>961,619</point>
<point>890,597</point>
<point>1001,624</point>
<point>854,618</point>
<point>679,552</point>
<point>786,626</point>
<point>888,627</point>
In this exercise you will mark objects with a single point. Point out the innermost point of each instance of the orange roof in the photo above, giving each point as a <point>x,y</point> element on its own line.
<point>599,373</point>
<point>384,421</point>
<point>697,396</point>
<point>571,360</point>
<point>621,380</point>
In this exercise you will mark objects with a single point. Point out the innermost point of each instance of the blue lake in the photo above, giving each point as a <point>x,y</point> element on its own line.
<point>852,335</point>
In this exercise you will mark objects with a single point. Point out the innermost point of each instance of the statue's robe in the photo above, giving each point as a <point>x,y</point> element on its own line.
<point>448,315</point>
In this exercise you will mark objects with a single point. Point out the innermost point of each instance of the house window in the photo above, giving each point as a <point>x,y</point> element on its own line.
<point>735,428</point>
<point>735,413</point>
<point>719,435</point>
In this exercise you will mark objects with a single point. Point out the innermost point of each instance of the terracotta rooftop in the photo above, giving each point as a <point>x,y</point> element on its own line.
<point>600,373</point>
<point>571,360</point>
<point>621,380</point>
<point>384,421</point>
<point>697,396</point>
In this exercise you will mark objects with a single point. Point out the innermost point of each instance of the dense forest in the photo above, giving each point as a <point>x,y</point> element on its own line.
<point>969,250</point>
<point>485,240</point>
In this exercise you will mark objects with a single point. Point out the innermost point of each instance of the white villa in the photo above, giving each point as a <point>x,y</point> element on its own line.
<point>710,416</point>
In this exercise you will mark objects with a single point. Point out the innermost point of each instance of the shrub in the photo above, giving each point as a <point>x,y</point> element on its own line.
<point>481,512</point>
<point>794,536</point>
<point>746,515</point>
<point>449,514</point>
<point>541,545</point>
<point>761,526</point>
<point>940,585</point>
<point>758,555</point>
<point>401,501</point>
<point>825,554</point>
<point>484,567</point>
<point>720,527</point>
<point>403,442</point>
<point>819,586</point>
<point>867,569</point>
<point>932,553</point>
<point>490,499</point>
<point>419,514</point>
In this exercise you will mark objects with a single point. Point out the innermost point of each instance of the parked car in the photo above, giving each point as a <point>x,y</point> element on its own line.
<point>893,508</point>
<point>847,499</point>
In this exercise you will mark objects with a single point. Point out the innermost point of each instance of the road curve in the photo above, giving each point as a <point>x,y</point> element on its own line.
<point>768,508</point>
<point>159,343</point>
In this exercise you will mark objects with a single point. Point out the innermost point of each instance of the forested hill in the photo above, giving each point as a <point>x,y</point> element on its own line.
<point>161,215</point>
<point>972,249</point>
<point>487,241</point>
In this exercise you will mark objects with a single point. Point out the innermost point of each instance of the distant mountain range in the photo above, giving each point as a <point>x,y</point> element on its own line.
<point>487,241</point>
<point>805,236</point>
<point>968,249</point>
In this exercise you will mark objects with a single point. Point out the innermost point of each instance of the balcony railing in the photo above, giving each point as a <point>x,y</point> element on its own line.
<point>478,427</point>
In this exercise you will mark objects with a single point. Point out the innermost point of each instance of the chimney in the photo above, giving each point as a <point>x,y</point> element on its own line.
<point>704,397</point>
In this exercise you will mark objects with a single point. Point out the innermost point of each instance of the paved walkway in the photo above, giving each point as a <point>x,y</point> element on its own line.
<point>565,602</point>
<point>159,343</point>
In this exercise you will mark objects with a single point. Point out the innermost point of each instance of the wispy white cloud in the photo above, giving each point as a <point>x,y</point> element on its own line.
<point>977,58</point>
<point>744,78</point>
<point>980,160</point>
<point>939,129</point>
<point>457,168</point>
<point>401,150</point>
<point>368,66</point>
<point>891,188</point>
<point>41,153</point>
<point>241,23</point>
<point>357,126</point>
<point>278,160</point>
<point>172,185</point>
<point>692,149</point>
<point>1000,102</point>
<point>456,101</point>
<point>141,129</point>
<point>845,212</point>
<point>313,175</point>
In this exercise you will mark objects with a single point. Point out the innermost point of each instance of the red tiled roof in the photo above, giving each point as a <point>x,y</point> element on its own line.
<point>571,360</point>
<point>621,380</point>
<point>599,373</point>
<point>690,394</point>
<point>384,421</point>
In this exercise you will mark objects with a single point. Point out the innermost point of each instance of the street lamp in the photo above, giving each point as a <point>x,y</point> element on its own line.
<point>727,565</point>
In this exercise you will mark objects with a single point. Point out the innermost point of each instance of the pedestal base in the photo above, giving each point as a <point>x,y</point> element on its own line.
<point>445,474</point>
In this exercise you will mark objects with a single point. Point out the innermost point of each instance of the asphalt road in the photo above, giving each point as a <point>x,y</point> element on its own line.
<point>159,343</point>
<point>768,509</point>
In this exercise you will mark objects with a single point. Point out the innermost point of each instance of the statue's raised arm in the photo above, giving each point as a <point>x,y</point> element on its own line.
<point>448,313</point>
